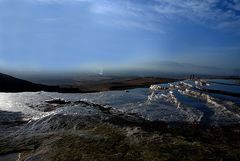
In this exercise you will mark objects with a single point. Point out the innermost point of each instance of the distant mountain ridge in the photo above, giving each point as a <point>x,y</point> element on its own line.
<point>12,84</point>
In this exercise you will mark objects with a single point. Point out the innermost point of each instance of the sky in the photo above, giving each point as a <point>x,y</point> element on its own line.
<point>201,36</point>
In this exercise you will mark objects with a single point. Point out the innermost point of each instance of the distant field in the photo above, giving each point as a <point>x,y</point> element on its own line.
<point>115,84</point>
<point>88,84</point>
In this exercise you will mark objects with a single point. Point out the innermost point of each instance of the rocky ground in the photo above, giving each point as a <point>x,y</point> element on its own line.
<point>99,133</point>
<point>180,121</point>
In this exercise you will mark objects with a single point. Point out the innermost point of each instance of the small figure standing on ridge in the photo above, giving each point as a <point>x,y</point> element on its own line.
<point>192,76</point>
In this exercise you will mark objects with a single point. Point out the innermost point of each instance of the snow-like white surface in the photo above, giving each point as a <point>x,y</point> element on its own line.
<point>178,101</point>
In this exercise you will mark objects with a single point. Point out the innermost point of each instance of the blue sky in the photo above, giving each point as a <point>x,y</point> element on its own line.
<point>146,35</point>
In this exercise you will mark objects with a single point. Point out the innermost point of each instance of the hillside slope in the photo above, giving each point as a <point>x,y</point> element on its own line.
<point>12,84</point>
